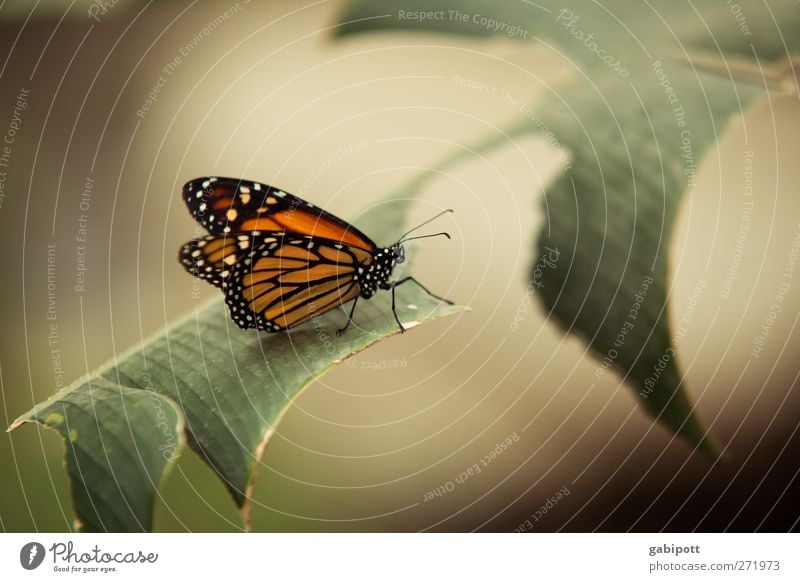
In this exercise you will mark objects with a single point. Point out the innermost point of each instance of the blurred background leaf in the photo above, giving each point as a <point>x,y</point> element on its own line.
<point>618,27</point>
<point>634,142</point>
<point>611,215</point>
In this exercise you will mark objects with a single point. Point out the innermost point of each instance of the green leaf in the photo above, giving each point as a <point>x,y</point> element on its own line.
<point>621,28</point>
<point>635,149</point>
<point>634,155</point>
<point>588,30</point>
<point>120,441</point>
<point>230,386</point>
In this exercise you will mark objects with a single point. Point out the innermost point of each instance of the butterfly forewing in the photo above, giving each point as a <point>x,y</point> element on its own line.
<point>230,205</point>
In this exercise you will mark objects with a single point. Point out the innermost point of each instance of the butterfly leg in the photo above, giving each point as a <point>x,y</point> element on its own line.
<point>394,310</point>
<point>349,318</point>
<point>421,286</point>
<point>396,284</point>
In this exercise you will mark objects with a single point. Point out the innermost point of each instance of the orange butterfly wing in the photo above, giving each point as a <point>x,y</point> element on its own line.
<point>230,205</point>
<point>285,280</point>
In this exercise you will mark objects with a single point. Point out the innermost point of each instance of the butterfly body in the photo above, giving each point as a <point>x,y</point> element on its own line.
<point>279,260</point>
<point>377,274</point>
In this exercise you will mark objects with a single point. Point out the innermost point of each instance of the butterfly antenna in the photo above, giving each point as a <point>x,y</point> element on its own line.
<point>403,238</point>
<point>425,236</point>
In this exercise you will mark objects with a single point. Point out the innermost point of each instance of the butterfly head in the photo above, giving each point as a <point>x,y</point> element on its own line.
<point>398,253</point>
<point>386,259</point>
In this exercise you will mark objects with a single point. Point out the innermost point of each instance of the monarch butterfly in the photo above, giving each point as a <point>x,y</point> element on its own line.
<point>281,261</point>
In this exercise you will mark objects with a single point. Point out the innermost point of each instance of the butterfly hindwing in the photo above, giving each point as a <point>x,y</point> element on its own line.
<point>284,280</point>
<point>211,257</point>
<point>231,205</point>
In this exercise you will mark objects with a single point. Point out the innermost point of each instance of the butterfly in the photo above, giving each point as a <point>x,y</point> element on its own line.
<point>281,261</point>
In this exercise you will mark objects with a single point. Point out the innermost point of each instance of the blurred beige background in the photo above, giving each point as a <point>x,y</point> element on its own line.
<point>270,96</point>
